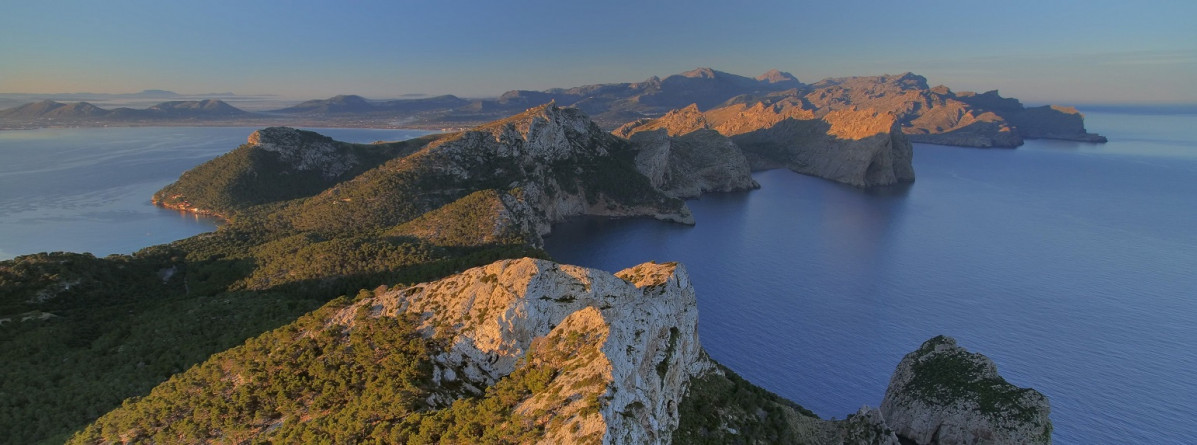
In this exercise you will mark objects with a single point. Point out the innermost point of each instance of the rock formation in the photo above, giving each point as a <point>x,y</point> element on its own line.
<point>859,148</point>
<point>939,116</point>
<point>943,394</point>
<point>555,161</point>
<point>631,341</point>
<point>305,150</point>
<point>863,148</point>
<point>683,157</point>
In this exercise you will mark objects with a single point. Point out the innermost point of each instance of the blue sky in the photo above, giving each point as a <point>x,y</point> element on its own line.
<point>1040,51</point>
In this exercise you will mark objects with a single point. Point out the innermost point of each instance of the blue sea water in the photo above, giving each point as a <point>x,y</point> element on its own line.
<point>89,189</point>
<point>1072,265</point>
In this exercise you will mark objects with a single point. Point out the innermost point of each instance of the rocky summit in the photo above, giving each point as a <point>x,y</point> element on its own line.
<point>626,345</point>
<point>558,354</point>
<point>944,394</point>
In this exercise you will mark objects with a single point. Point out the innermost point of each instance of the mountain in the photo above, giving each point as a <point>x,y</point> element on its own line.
<point>618,103</point>
<point>83,112</point>
<point>860,148</point>
<point>48,109</point>
<point>925,114</point>
<point>275,164</point>
<point>522,351</point>
<point>939,116</point>
<point>352,104</point>
<point>555,159</point>
<point>459,329</point>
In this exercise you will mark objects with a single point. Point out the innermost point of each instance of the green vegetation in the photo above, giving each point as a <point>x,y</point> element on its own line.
<point>945,377</point>
<point>249,176</point>
<point>315,382</point>
<point>122,327</point>
<point>721,409</point>
<point>79,334</point>
<point>479,218</point>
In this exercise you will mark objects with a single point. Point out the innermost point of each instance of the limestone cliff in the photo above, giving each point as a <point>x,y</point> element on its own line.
<point>683,157</point>
<point>939,116</point>
<point>863,148</point>
<point>625,345</point>
<point>943,394</point>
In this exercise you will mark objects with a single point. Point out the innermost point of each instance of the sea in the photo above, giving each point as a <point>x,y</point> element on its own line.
<point>89,189</point>
<point>1072,265</point>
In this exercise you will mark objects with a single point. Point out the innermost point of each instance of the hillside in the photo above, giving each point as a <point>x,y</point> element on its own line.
<point>52,112</point>
<point>276,164</point>
<point>468,334</point>
<point>517,351</point>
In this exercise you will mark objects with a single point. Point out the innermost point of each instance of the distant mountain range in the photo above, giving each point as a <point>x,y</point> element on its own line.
<point>926,114</point>
<point>48,111</point>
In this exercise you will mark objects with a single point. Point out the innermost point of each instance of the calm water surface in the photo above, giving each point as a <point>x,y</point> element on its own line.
<point>89,189</point>
<point>1073,266</point>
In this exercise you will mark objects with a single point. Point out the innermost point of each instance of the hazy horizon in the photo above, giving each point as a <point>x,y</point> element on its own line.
<point>1082,53</point>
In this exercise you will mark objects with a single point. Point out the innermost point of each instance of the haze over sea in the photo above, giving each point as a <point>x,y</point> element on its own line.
<point>1070,264</point>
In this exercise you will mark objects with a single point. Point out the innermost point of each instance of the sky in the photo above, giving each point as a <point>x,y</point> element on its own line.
<point>1043,51</point>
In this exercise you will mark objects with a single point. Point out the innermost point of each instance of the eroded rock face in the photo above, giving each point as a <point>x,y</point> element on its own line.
<point>943,394</point>
<point>694,163</point>
<point>640,323</point>
<point>305,150</point>
<point>863,148</point>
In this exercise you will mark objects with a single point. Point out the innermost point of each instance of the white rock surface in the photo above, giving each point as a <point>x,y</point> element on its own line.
<point>491,316</point>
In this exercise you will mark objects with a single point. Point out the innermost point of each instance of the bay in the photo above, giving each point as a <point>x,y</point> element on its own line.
<point>1072,265</point>
<point>89,189</point>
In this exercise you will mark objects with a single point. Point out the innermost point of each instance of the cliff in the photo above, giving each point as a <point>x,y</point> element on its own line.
<point>939,116</point>
<point>943,394</point>
<point>532,351</point>
<point>863,148</point>
<point>683,157</point>
<point>557,161</point>
<point>625,346</point>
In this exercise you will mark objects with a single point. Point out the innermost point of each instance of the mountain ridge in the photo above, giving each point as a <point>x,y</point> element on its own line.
<point>927,114</point>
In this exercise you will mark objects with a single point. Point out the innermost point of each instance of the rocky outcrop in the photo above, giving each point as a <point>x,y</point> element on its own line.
<point>684,157</point>
<point>859,148</point>
<point>943,394</point>
<point>689,165</point>
<point>556,161</point>
<point>939,116</point>
<point>305,150</point>
<point>863,148</point>
<point>626,345</point>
